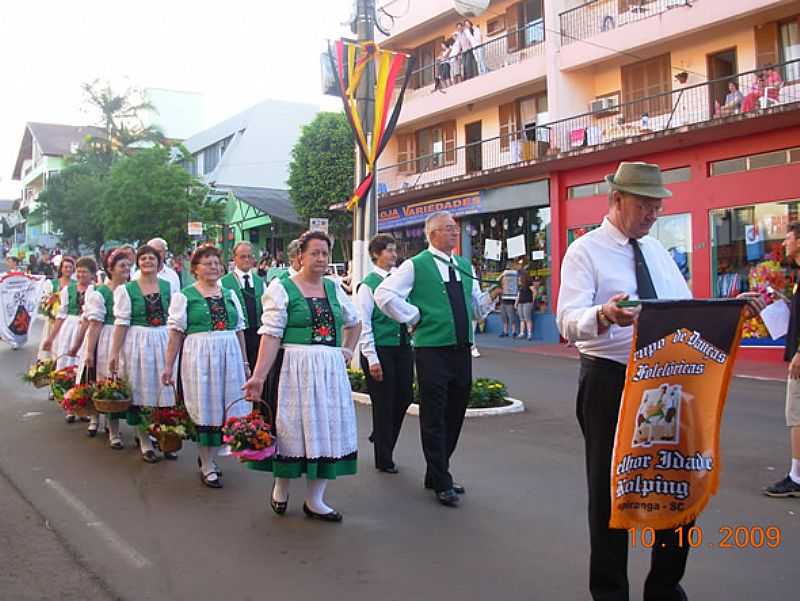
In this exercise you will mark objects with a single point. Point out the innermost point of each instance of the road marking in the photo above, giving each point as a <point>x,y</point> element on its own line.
<point>760,378</point>
<point>107,534</point>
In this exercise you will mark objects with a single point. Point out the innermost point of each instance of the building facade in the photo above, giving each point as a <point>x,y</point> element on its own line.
<point>517,133</point>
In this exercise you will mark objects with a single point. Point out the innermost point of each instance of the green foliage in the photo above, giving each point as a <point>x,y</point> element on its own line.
<point>321,171</point>
<point>358,381</point>
<point>150,195</point>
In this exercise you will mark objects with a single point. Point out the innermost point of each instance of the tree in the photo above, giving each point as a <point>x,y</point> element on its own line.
<point>150,195</point>
<point>321,172</point>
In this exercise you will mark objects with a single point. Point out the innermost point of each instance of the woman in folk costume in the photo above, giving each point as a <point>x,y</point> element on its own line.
<point>139,344</point>
<point>98,318</point>
<point>206,320</point>
<point>53,287</point>
<point>67,329</point>
<point>315,326</point>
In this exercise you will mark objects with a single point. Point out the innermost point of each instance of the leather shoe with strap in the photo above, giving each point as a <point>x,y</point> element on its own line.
<point>448,498</point>
<point>333,516</point>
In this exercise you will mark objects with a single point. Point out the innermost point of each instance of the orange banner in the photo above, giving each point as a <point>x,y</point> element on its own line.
<point>666,461</point>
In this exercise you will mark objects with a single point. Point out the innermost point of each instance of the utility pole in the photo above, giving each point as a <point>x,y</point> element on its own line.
<point>365,217</point>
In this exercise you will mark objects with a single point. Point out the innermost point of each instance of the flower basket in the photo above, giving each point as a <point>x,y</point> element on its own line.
<point>61,381</point>
<point>78,400</point>
<point>249,438</point>
<point>39,373</point>
<point>170,426</point>
<point>50,305</point>
<point>112,396</point>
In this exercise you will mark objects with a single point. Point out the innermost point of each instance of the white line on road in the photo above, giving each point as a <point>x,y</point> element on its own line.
<point>107,534</point>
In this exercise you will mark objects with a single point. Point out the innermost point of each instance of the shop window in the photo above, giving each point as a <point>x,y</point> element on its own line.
<point>675,234</point>
<point>747,254</point>
<point>755,161</point>
<point>576,232</point>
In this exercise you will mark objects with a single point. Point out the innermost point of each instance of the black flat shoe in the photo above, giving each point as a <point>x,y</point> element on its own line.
<point>91,432</point>
<point>459,488</point>
<point>333,516</point>
<point>85,418</point>
<point>389,470</point>
<point>215,483</point>
<point>150,457</point>
<point>171,456</point>
<point>278,507</point>
<point>70,419</point>
<point>116,444</point>
<point>200,464</point>
<point>448,498</point>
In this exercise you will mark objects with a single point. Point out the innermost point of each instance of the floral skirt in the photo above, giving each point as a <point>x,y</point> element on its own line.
<point>316,419</point>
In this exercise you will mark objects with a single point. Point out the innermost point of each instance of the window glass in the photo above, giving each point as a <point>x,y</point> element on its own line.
<point>729,166</point>
<point>675,234</point>
<point>768,159</point>
<point>790,49</point>
<point>679,174</point>
<point>582,191</point>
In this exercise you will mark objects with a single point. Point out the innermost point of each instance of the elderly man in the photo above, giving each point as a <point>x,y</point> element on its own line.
<point>436,293</point>
<point>166,273</point>
<point>249,287</point>
<point>613,263</point>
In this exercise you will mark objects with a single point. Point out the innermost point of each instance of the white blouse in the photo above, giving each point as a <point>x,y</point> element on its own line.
<point>122,307</point>
<point>177,319</point>
<point>64,296</point>
<point>94,307</point>
<point>274,315</point>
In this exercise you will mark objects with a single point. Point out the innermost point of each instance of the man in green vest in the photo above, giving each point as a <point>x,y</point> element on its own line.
<point>249,287</point>
<point>386,357</point>
<point>436,294</point>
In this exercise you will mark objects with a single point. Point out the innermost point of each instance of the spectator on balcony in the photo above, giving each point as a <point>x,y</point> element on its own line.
<point>456,63</point>
<point>768,82</point>
<point>443,76</point>
<point>469,67</point>
<point>473,32</point>
<point>733,101</point>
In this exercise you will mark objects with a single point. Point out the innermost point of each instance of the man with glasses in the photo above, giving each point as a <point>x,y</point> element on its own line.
<point>436,295</point>
<point>249,287</point>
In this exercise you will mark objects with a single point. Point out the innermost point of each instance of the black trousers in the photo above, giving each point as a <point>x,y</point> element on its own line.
<point>599,398</point>
<point>252,339</point>
<point>390,399</point>
<point>444,375</point>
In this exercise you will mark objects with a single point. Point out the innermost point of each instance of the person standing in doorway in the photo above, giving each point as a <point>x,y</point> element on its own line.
<point>509,282</point>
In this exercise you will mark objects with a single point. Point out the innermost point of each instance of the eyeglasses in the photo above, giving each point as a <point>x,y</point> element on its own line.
<point>447,228</point>
<point>649,208</point>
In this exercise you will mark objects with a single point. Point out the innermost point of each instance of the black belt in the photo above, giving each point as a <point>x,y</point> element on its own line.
<point>601,362</point>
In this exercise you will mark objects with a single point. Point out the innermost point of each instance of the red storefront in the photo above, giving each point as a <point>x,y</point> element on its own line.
<point>735,186</point>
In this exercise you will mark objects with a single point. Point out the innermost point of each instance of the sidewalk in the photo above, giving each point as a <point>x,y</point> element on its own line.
<point>744,368</point>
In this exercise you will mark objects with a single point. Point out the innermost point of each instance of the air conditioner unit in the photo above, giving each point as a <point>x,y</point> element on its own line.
<point>608,103</point>
<point>596,106</point>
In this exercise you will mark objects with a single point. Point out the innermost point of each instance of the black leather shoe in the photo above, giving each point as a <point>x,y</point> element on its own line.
<point>459,488</point>
<point>171,456</point>
<point>333,516</point>
<point>150,457</point>
<point>91,432</point>
<point>389,470</point>
<point>208,481</point>
<point>448,498</point>
<point>278,507</point>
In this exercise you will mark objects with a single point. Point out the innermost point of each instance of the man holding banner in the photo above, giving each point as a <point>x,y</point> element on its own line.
<point>601,270</point>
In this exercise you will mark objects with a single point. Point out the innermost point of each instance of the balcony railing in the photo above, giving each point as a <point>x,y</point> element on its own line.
<point>508,49</point>
<point>707,103</point>
<point>598,16</point>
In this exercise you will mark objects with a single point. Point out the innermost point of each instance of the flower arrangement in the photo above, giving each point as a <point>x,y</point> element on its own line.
<point>250,437</point>
<point>78,399</point>
<point>767,274</point>
<point>39,373</point>
<point>112,395</point>
<point>50,305</point>
<point>161,422</point>
<point>62,380</point>
<point>358,381</point>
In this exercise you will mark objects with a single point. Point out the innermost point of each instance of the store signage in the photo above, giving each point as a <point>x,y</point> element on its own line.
<point>195,228</point>
<point>393,217</point>
<point>318,223</point>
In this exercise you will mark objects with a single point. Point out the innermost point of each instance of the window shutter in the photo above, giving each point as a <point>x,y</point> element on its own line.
<point>449,138</point>
<point>508,125</point>
<point>642,80</point>
<point>513,23</point>
<point>402,153</point>
<point>766,44</point>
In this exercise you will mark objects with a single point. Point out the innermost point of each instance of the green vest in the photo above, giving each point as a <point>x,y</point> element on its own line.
<point>56,284</point>
<point>299,326</point>
<point>72,295</point>
<point>437,325</point>
<point>108,299</point>
<point>198,315</point>
<point>231,282</point>
<point>276,272</point>
<point>138,311</point>
<point>385,330</point>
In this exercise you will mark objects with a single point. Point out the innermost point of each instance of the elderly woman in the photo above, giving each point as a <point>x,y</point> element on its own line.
<point>139,344</point>
<point>67,329</point>
<point>98,319</point>
<point>206,320</point>
<point>64,278</point>
<point>315,326</point>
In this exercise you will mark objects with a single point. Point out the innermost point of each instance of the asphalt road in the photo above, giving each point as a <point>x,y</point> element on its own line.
<point>152,532</point>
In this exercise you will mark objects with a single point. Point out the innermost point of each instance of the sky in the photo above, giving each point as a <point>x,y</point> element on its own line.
<point>234,52</point>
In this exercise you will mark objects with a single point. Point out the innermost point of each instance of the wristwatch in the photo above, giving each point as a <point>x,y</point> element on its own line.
<point>603,320</point>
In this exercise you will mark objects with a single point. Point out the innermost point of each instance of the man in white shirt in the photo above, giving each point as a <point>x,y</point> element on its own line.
<point>615,262</point>
<point>436,293</point>
<point>166,273</point>
<point>249,288</point>
<point>387,358</point>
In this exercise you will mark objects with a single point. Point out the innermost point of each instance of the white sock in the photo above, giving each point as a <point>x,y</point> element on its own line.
<point>314,495</point>
<point>145,444</point>
<point>207,455</point>
<point>93,420</point>
<point>281,491</point>
<point>113,427</point>
<point>795,473</point>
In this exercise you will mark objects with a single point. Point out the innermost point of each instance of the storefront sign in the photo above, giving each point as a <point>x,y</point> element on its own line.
<point>195,228</point>
<point>393,217</point>
<point>318,223</point>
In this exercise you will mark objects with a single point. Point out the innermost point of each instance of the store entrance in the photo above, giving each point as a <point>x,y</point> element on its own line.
<point>472,134</point>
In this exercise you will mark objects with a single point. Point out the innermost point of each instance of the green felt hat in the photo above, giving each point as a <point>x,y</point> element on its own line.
<point>641,179</point>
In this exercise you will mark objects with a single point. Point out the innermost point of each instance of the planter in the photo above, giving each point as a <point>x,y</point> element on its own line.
<point>516,406</point>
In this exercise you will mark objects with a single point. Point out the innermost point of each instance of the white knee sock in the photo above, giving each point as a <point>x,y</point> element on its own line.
<point>281,491</point>
<point>145,444</point>
<point>315,494</point>
<point>207,455</point>
<point>795,473</point>
<point>113,427</point>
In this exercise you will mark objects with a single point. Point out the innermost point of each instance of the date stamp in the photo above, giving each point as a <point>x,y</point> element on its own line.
<point>726,537</point>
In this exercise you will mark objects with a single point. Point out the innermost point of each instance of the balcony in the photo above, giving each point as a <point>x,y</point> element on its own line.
<point>679,111</point>
<point>600,16</point>
<point>503,63</point>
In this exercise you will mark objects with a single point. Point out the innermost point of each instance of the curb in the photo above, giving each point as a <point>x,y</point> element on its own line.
<point>516,406</point>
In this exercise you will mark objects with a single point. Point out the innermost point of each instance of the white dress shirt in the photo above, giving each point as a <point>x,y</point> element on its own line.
<point>597,266</point>
<point>168,275</point>
<point>391,295</point>
<point>240,276</point>
<point>366,305</point>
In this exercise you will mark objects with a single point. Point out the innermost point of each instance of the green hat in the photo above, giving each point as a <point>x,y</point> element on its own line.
<point>641,179</point>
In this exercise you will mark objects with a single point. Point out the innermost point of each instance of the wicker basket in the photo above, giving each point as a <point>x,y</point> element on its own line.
<point>84,411</point>
<point>169,442</point>
<point>112,406</point>
<point>41,381</point>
